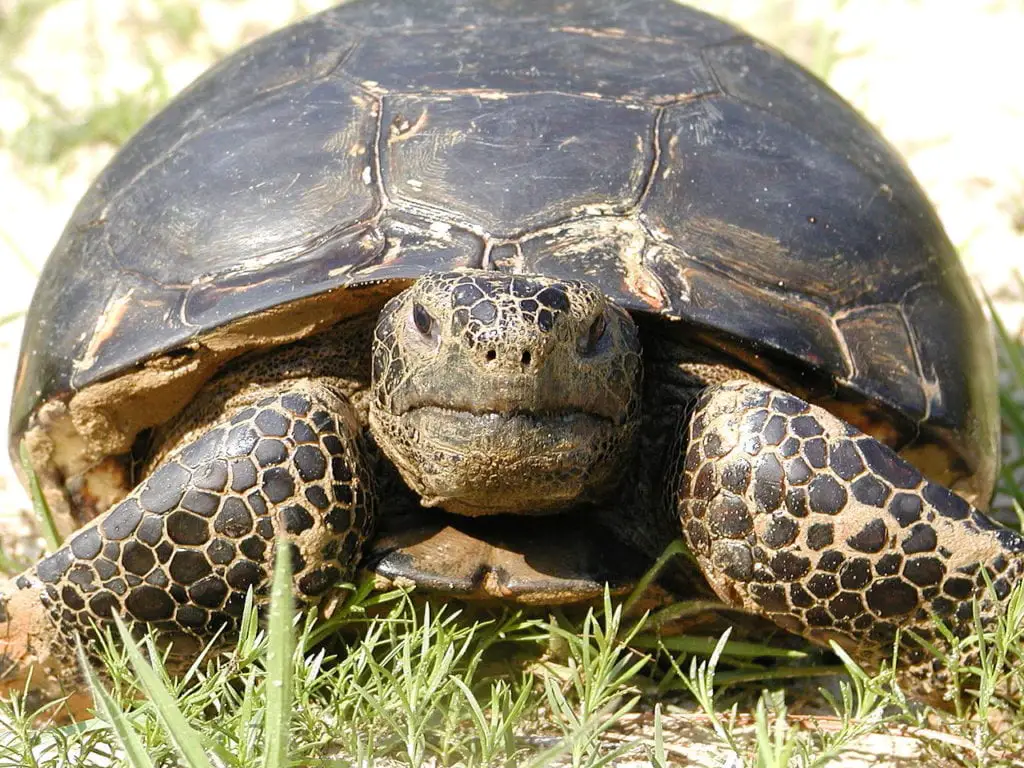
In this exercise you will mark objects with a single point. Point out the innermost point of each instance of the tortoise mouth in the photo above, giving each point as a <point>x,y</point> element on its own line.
<point>484,462</point>
<point>498,415</point>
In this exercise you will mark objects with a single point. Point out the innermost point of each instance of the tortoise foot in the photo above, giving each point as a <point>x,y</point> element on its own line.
<point>181,551</point>
<point>798,516</point>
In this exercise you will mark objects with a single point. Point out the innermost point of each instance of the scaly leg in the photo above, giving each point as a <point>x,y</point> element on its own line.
<point>179,553</point>
<point>798,516</point>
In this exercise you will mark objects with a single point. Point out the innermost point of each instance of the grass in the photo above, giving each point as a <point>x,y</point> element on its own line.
<point>389,680</point>
<point>421,685</point>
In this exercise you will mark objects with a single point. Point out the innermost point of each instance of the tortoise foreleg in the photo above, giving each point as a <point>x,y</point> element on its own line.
<point>798,516</point>
<point>180,552</point>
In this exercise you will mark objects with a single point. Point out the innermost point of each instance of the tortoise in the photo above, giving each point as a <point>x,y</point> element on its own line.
<point>499,299</point>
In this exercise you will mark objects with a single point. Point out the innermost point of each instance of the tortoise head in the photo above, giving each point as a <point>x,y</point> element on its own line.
<point>497,393</point>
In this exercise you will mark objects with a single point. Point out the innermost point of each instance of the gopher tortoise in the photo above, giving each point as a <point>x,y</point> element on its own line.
<point>499,299</point>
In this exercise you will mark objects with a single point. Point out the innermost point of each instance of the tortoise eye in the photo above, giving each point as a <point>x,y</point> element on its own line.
<point>594,335</point>
<point>421,319</point>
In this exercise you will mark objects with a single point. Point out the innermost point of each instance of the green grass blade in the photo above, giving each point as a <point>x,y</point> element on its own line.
<point>129,740</point>
<point>280,649</point>
<point>1012,415</point>
<point>1014,355</point>
<point>658,754</point>
<point>176,727</point>
<point>706,645</point>
<point>732,677</point>
<point>39,505</point>
<point>677,547</point>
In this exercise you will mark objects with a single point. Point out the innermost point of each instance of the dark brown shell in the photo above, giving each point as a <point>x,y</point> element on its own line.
<point>690,171</point>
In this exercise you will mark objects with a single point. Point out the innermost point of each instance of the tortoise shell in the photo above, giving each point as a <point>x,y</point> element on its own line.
<point>691,172</point>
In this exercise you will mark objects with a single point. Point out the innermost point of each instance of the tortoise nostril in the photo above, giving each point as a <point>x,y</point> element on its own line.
<point>526,357</point>
<point>491,355</point>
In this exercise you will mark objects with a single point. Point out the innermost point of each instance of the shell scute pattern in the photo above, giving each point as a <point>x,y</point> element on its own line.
<point>871,545</point>
<point>182,551</point>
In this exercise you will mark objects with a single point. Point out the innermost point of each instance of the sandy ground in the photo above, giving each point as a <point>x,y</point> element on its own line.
<point>941,80</point>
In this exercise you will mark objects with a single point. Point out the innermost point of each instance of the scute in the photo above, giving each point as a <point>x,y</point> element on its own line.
<point>531,59</point>
<point>688,171</point>
<point>640,18</point>
<point>436,143</point>
<point>273,214</point>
